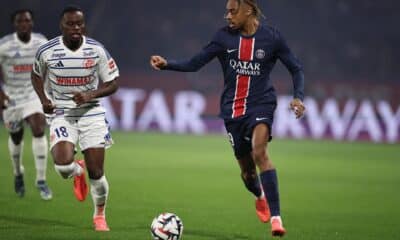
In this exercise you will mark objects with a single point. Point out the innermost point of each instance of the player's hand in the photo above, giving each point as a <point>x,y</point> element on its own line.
<point>48,106</point>
<point>297,106</point>
<point>3,100</point>
<point>158,62</point>
<point>82,97</point>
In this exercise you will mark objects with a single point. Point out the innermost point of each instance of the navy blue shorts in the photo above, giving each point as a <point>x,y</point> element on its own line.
<point>240,130</point>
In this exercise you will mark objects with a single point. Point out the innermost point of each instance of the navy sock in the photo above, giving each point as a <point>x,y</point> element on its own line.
<point>253,185</point>
<point>269,182</point>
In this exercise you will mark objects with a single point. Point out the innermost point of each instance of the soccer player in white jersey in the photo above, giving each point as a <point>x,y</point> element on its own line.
<point>20,102</point>
<point>66,76</point>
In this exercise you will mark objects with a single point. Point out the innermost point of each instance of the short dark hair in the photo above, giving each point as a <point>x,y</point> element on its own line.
<point>69,9</point>
<point>19,11</point>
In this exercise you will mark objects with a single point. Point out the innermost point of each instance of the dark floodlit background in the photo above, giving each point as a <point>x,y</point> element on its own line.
<point>349,49</point>
<point>329,190</point>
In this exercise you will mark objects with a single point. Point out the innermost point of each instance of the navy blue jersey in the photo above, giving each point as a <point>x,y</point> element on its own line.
<point>247,62</point>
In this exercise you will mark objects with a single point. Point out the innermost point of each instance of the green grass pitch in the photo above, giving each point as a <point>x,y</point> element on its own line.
<point>328,191</point>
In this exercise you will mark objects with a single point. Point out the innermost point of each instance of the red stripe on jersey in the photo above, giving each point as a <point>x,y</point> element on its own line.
<point>241,93</point>
<point>246,50</point>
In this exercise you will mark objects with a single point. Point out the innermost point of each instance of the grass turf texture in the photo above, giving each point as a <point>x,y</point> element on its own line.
<point>328,191</point>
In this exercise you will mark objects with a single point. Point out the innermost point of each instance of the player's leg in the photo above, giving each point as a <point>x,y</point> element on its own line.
<point>63,156</point>
<point>94,139</point>
<point>249,174</point>
<point>15,148</point>
<point>63,136</point>
<point>14,124</point>
<point>268,176</point>
<point>242,149</point>
<point>94,158</point>
<point>37,123</point>
<point>252,183</point>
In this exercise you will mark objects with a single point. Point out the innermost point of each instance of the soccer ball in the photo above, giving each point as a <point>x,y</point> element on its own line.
<point>167,226</point>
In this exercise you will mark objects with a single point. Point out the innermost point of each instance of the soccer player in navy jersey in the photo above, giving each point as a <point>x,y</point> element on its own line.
<point>247,51</point>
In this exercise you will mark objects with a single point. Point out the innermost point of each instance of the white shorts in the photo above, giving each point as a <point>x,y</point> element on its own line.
<point>88,131</point>
<point>14,116</point>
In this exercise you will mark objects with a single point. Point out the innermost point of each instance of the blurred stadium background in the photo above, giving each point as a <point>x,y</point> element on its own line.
<point>349,50</point>
<point>330,190</point>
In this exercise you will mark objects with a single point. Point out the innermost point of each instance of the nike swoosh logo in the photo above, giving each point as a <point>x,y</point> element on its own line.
<point>260,119</point>
<point>231,50</point>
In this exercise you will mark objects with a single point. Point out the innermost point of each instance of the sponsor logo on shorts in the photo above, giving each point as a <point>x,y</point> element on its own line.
<point>261,118</point>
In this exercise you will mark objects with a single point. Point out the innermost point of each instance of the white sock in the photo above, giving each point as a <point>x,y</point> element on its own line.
<point>40,148</point>
<point>99,190</point>
<point>262,195</point>
<point>16,156</point>
<point>68,171</point>
<point>276,217</point>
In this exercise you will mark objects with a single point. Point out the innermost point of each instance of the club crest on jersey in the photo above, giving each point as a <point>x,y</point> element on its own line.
<point>89,63</point>
<point>260,54</point>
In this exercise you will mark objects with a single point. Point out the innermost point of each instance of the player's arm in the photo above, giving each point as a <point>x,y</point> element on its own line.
<point>191,65</point>
<point>37,79</point>
<point>106,89</point>
<point>38,86</point>
<point>3,97</point>
<point>293,65</point>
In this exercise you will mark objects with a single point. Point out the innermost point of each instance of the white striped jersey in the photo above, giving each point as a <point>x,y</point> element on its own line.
<point>65,72</point>
<point>16,59</point>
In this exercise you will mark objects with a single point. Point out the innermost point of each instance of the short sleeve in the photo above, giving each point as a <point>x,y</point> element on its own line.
<point>39,65</point>
<point>108,69</point>
<point>2,54</point>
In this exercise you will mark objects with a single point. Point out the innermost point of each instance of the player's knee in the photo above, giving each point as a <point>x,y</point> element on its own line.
<point>38,131</point>
<point>65,171</point>
<point>96,174</point>
<point>38,134</point>
<point>249,175</point>
<point>16,138</point>
<point>62,157</point>
<point>259,155</point>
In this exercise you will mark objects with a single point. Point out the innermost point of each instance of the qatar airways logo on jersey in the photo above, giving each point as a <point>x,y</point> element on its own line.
<point>245,67</point>
<point>22,68</point>
<point>73,81</point>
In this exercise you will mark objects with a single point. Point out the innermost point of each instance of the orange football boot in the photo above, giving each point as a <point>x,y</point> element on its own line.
<point>262,210</point>
<point>81,189</point>
<point>100,224</point>
<point>277,228</point>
